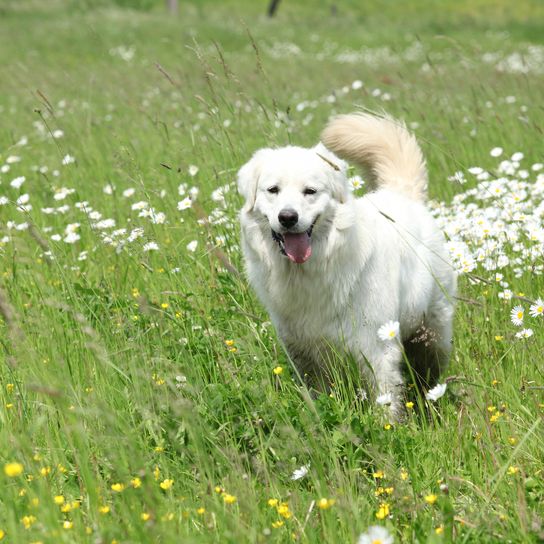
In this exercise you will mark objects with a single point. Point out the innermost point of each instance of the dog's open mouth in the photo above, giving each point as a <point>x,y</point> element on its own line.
<point>295,245</point>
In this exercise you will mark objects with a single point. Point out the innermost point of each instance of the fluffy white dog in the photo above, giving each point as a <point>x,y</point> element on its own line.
<point>332,269</point>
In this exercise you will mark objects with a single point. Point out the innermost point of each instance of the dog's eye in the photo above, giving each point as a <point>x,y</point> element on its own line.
<point>273,190</point>
<point>309,191</point>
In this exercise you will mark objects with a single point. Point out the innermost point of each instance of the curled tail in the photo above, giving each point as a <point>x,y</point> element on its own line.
<point>383,146</point>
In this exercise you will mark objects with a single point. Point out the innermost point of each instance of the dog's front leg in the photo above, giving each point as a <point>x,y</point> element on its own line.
<point>385,359</point>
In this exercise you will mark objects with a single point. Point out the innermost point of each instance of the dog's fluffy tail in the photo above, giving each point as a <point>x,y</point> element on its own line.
<point>383,146</point>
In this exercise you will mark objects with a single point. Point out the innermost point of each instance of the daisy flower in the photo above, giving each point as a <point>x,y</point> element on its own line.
<point>375,534</point>
<point>524,333</point>
<point>436,392</point>
<point>389,331</point>
<point>537,309</point>
<point>516,315</point>
<point>299,473</point>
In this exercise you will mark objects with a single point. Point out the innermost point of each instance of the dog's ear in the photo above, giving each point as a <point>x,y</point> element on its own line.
<point>338,171</point>
<point>248,178</point>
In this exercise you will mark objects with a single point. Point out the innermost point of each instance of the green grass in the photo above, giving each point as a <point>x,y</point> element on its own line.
<point>159,365</point>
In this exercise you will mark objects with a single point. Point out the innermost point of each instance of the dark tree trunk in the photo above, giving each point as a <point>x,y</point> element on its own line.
<point>272,7</point>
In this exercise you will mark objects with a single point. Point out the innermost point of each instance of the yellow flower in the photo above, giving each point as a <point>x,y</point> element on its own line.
<point>387,426</point>
<point>2,534</point>
<point>277,524</point>
<point>58,499</point>
<point>498,338</point>
<point>67,524</point>
<point>200,511</point>
<point>88,530</point>
<point>379,474</point>
<point>439,530</point>
<point>45,471</point>
<point>13,469</point>
<point>104,509</point>
<point>283,510</point>
<point>512,441</point>
<point>218,489</point>
<point>512,470</point>
<point>66,508</point>
<point>28,521</point>
<point>277,370</point>
<point>156,473</point>
<point>166,484</point>
<point>383,511</point>
<point>325,504</point>
<point>9,387</point>
<point>430,499</point>
<point>409,405</point>
<point>273,502</point>
<point>229,499</point>
<point>118,487</point>
<point>145,516</point>
<point>136,482</point>
<point>403,475</point>
<point>164,305</point>
<point>229,343</point>
<point>169,516</point>
<point>159,449</point>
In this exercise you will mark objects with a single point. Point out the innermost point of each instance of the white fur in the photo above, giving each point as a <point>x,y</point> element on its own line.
<point>374,259</point>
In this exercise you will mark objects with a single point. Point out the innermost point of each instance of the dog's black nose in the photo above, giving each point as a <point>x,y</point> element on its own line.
<point>288,218</point>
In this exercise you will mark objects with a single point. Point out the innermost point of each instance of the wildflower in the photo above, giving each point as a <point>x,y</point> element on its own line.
<point>379,474</point>
<point>185,204</point>
<point>299,473</point>
<point>104,509</point>
<point>277,524</point>
<point>166,484</point>
<point>136,482</point>
<point>283,510</point>
<point>151,246</point>
<point>496,152</point>
<point>512,441</point>
<point>389,331</point>
<point>200,511</point>
<point>499,337</point>
<point>403,475</point>
<point>516,315</point>
<point>191,246</point>
<point>524,333</point>
<point>436,392</point>
<point>58,499</point>
<point>68,159</point>
<point>273,502</point>
<point>145,516</point>
<point>512,470</point>
<point>439,530</point>
<point>193,170</point>
<point>410,405</point>
<point>2,534</point>
<point>430,499</point>
<point>375,535</point>
<point>537,309</point>
<point>28,521</point>
<point>383,511</point>
<point>68,524</point>
<point>277,370</point>
<point>229,499</point>
<point>325,504</point>
<point>13,469</point>
<point>117,487</point>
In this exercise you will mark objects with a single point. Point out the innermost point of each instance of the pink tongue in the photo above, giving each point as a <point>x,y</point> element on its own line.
<point>297,246</point>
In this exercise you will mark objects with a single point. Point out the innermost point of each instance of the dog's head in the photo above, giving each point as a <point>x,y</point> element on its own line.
<point>292,191</point>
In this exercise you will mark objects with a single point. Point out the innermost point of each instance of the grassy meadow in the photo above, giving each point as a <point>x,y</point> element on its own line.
<point>144,396</point>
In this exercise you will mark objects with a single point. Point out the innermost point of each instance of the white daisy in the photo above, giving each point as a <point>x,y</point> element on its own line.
<point>524,333</point>
<point>193,170</point>
<point>496,152</point>
<point>151,246</point>
<point>185,203</point>
<point>389,331</point>
<point>537,309</point>
<point>516,315</point>
<point>17,182</point>
<point>374,535</point>
<point>191,246</point>
<point>299,473</point>
<point>436,392</point>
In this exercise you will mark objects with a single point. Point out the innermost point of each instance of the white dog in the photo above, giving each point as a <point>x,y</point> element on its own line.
<point>331,269</point>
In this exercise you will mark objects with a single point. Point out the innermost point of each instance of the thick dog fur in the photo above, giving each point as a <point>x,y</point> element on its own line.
<point>352,264</point>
